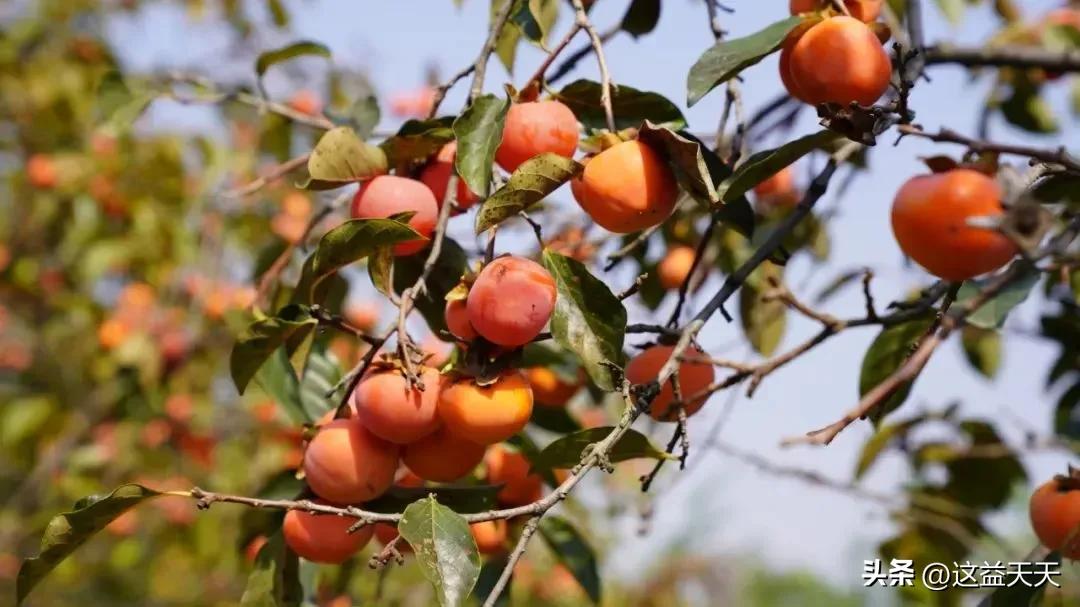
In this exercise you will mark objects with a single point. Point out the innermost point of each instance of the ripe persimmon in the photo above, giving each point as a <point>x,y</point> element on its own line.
<point>386,533</point>
<point>929,219</point>
<point>1055,515</point>
<point>388,195</point>
<point>251,551</point>
<point>693,378</point>
<point>490,536</point>
<point>457,320</point>
<point>487,414</point>
<point>863,10</point>
<point>362,315</point>
<point>347,464</point>
<point>324,538</point>
<point>626,188</point>
<point>511,301</point>
<point>436,175</point>
<point>41,171</point>
<point>306,102</point>
<point>442,457</point>
<point>838,60</point>
<point>536,127</point>
<point>391,410</point>
<point>675,266</point>
<point>777,191</point>
<point>549,388</point>
<point>511,470</point>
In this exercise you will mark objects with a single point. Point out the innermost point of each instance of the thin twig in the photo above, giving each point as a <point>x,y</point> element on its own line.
<point>519,550</point>
<point>605,75</point>
<point>1059,156</point>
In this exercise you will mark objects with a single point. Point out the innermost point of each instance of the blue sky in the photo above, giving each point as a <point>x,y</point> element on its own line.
<point>725,507</point>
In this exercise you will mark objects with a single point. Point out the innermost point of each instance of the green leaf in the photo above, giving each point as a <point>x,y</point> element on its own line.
<point>686,158</point>
<point>1064,187</point>
<point>262,337</point>
<point>416,140</point>
<point>341,158</point>
<point>953,10</point>
<point>380,267</point>
<point>459,498</point>
<point>982,347</point>
<point>118,106</point>
<point>992,314</point>
<point>489,576</point>
<point>727,58</point>
<point>349,242</point>
<point>765,164</point>
<point>478,132</point>
<point>364,115</point>
<point>297,49</point>
<point>889,350</point>
<point>630,106</point>
<point>66,532</point>
<point>553,419</point>
<point>444,548</point>
<point>880,440</point>
<point>983,482</point>
<point>278,13</point>
<point>1026,109</point>
<point>588,319</point>
<point>534,18</point>
<point>641,17</point>
<point>574,552</point>
<point>507,42</point>
<point>321,374</point>
<point>566,452</point>
<point>530,183</point>
<point>277,379</point>
<point>764,322</point>
<point>275,581</point>
<point>445,275</point>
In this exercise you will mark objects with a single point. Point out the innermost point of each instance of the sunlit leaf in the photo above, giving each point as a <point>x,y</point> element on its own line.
<point>992,314</point>
<point>478,132</point>
<point>588,319</point>
<point>259,341</point>
<point>767,163</point>
<point>530,183</point>
<point>724,60</point>
<point>444,549</point>
<point>889,350</point>
<point>274,581</point>
<point>566,452</point>
<point>573,552</point>
<point>66,532</point>
<point>341,158</point>
<point>630,106</point>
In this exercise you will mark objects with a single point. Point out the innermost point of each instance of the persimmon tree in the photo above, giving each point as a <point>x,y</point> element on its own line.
<point>457,458</point>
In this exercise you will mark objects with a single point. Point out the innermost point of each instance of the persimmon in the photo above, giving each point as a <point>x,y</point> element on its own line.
<point>362,315</point>
<point>442,457</point>
<point>457,320</point>
<point>839,60</point>
<point>511,301</point>
<point>387,532</point>
<point>863,10</point>
<point>346,464</point>
<point>392,410</point>
<point>251,551</point>
<point>408,478</point>
<point>324,538</point>
<point>549,388</point>
<point>388,195</point>
<point>436,175</point>
<point>490,536</point>
<point>124,525</point>
<point>112,333</point>
<point>626,188</point>
<point>487,414</point>
<point>306,102</point>
<point>413,104</point>
<point>511,470</point>
<point>675,266</point>
<point>693,378</point>
<point>41,171</point>
<point>1055,514</point>
<point>777,191</point>
<point>929,220</point>
<point>533,128</point>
